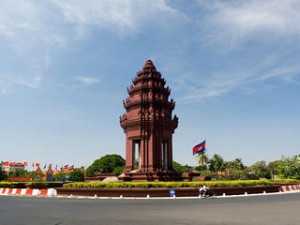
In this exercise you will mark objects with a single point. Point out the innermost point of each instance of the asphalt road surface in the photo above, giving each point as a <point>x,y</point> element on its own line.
<point>265,210</point>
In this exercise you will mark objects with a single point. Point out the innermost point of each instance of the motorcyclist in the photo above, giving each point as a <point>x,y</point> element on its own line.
<point>203,190</point>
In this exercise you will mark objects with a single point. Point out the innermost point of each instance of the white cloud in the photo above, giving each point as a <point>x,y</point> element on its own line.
<point>28,24</point>
<point>220,84</point>
<point>32,81</point>
<point>33,30</point>
<point>286,73</point>
<point>88,81</point>
<point>233,22</point>
<point>28,33</point>
<point>121,16</point>
<point>259,37</point>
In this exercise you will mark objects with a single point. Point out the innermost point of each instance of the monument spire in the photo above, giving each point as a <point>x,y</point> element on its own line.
<point>149,66</point>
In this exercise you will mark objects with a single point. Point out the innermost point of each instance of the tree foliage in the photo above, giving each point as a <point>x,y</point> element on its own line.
<point>202,159</point>
<point>217,163</point>
<point>21,173</point>
<point>178,168</point>
<point>3,175</point>
<point>106,164</point>
<point>236,164</point>
<point>289,167</point>
<point>76,175</point>
<point>60,175</point>
<point>286,168</point>
<point>259,170</point>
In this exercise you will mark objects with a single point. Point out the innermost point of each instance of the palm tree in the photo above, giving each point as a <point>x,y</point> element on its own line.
<point>217,163</point>
<point>237,164</point>
<point>202,159</point>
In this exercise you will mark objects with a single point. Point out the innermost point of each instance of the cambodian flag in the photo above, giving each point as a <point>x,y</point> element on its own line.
<point>199,148</point>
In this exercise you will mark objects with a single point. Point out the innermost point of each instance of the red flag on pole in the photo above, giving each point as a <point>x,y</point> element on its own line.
<point>199,148</point>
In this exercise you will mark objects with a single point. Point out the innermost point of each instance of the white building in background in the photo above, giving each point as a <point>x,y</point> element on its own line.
<point>13,166</point>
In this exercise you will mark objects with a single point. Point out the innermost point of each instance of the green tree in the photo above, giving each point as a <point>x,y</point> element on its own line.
<point>202,159</point>
<point>289,167</point>
<point>236,164</point>
<point>76,175</point>
<point>21,173</point>
<point>235,169</point>
<point>178,168</point>
<point>106,164</point>
<point>118,170</point>
<point>274,168</point>
<point>3,175</point>
<point>259,170</point>
<point>60,175</point>
<point>217,164</point>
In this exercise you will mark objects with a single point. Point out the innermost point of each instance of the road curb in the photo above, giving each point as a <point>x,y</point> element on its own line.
<point>286,188</point>
<point>51,192</point>
<point>28,192</point>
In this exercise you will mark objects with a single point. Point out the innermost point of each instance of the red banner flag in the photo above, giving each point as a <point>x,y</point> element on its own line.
<point>199,148</point>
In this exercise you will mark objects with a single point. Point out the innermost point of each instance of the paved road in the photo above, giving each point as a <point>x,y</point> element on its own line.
<point>265,210</point>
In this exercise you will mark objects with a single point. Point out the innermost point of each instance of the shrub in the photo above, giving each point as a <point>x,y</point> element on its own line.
<point>76,175</point>
<point>196,184</point>
<point>286,181</point>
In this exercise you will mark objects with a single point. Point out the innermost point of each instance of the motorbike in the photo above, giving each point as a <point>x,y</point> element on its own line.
<point>207,194</point>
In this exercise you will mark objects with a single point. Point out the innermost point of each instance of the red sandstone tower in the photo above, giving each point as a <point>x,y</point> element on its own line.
<point>149,126</point>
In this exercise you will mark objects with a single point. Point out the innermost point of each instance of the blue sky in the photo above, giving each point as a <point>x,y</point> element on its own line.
<point>233,68</point>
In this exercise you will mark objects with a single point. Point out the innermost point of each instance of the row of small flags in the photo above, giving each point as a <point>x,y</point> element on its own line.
<point>66,167</point>
<point>197,149</point>
<point>15,163</point>
<point>25,164</point>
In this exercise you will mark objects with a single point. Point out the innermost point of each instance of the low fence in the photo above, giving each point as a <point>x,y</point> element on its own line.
<point>28,191</point>
<point>293,187</point>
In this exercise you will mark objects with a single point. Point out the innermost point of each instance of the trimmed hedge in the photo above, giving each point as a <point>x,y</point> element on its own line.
<point>197,184</point>
<point>193,184</point>
<point>6,184</point>
<point>286,181</point>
